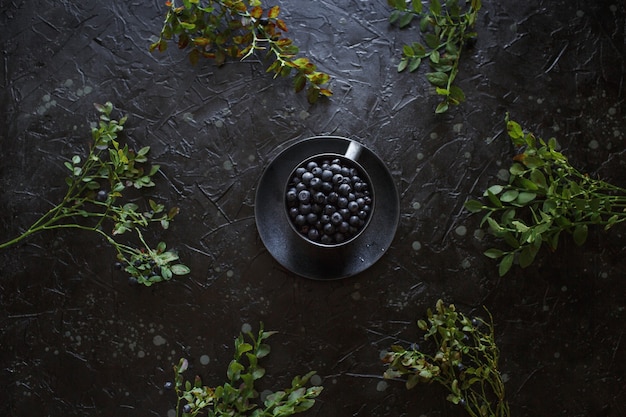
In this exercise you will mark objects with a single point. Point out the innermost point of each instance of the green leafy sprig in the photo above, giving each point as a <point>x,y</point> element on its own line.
<point>545,196</point>
<point>95,185</point>
<point>238,396</point>
<point>218,29</point>
<point>446,29</point>
<point>464,360</point>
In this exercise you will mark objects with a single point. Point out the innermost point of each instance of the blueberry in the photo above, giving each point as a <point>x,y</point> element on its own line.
<point>168,385</point>
<point>337,179</point>
<point>292,195</point>
<point>355,221</point>
<point>353,206</point>
<point>304,196</point>
<point>307,177</point>
<point>315,183</point>
<point>317,171</point>
<point>342,202</point>
<point>329,229</point>
<point>345,213</point>
<point>316,208</point>
<point>329,209</point>
<point>313,234</point>
<point>300,220</point>
<point>362,214</point>
<point>102,195</point>
<point>300,171</point>
<point>336,218</point>
<point>332,197</point>
<point>311,218</point>
<point>345,171</point>
<point>132,280</point>
<point>118,265</point>
<point>335,168</point>
<point>300,186</point>
<point>327,240</point>
<point>344,189</point>
<point>360,186</point>
<point>311,165</point>
<point>264,21</point>
<point>293,212</point>
<point>327,175</point>
<point>343,227</point>
<point>186,409</point>
<point>324,218</point>
<point>326,187</point>
<point>304,208</point>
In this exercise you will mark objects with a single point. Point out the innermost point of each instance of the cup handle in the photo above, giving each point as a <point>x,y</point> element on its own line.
<point>354,151</point>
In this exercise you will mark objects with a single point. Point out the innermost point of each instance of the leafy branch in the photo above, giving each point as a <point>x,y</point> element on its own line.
<point>544,197</point>
<point>218,29</point>
<point>464,361</point>
<point>95,185</point>
<point>446,29</point>
<point>236,397</point>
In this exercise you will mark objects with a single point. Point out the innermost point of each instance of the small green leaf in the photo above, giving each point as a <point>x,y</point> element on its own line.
<point>494,189</point>
<point>505,264</point>
<point>442,107</point>
<point>474,206</point>
<point>404,62</point>
<point>580,234</point>
<point>405,19</point>
<point>509,196</point>
<point>180,269</point>
<point>525,197</point>
<point>439,79</point>
<point>527,256</point>
<point>414,63</point>
<point>493,253</point>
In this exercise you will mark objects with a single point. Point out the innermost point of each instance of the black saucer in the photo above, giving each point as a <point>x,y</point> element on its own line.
<point>308,260</point>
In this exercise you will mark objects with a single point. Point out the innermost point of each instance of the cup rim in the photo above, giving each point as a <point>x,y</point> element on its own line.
<point>360,169</point>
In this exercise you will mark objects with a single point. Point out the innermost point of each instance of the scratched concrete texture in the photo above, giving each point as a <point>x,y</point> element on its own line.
<point>76,339</point>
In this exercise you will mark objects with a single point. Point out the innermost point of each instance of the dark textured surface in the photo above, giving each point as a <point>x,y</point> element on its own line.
<point>76,340</point>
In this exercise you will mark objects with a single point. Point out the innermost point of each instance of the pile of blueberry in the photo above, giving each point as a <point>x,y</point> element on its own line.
<point>328,200</point>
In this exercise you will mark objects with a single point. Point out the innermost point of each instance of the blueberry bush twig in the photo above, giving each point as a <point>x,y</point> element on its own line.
<point>219,29</point>
<point>446,29</point>
<point>95,185</point>
<point>464,360</point>
<point>238,396</point>
<point>544,198</point>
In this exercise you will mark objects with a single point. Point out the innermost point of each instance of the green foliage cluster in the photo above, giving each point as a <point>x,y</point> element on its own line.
<point>218,29</point>
<point>464,360</point>
<point>545,197</point>
<point>446,29</point>
<point>238,396</point>
<point>95,185</point>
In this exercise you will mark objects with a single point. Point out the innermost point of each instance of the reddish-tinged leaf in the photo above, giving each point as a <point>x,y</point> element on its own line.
<point>201,41</point>
<point>256,12</point>
<point>325,92</point>
<point>299,82</point>
<point>281,25</point>
<point>273,12</point>
<point>194,55</point>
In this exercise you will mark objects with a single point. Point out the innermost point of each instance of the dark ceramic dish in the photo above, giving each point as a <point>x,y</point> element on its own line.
<point>301,256</point>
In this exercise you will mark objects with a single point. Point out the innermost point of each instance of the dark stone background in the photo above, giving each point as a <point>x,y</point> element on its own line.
<point>77,340</point>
